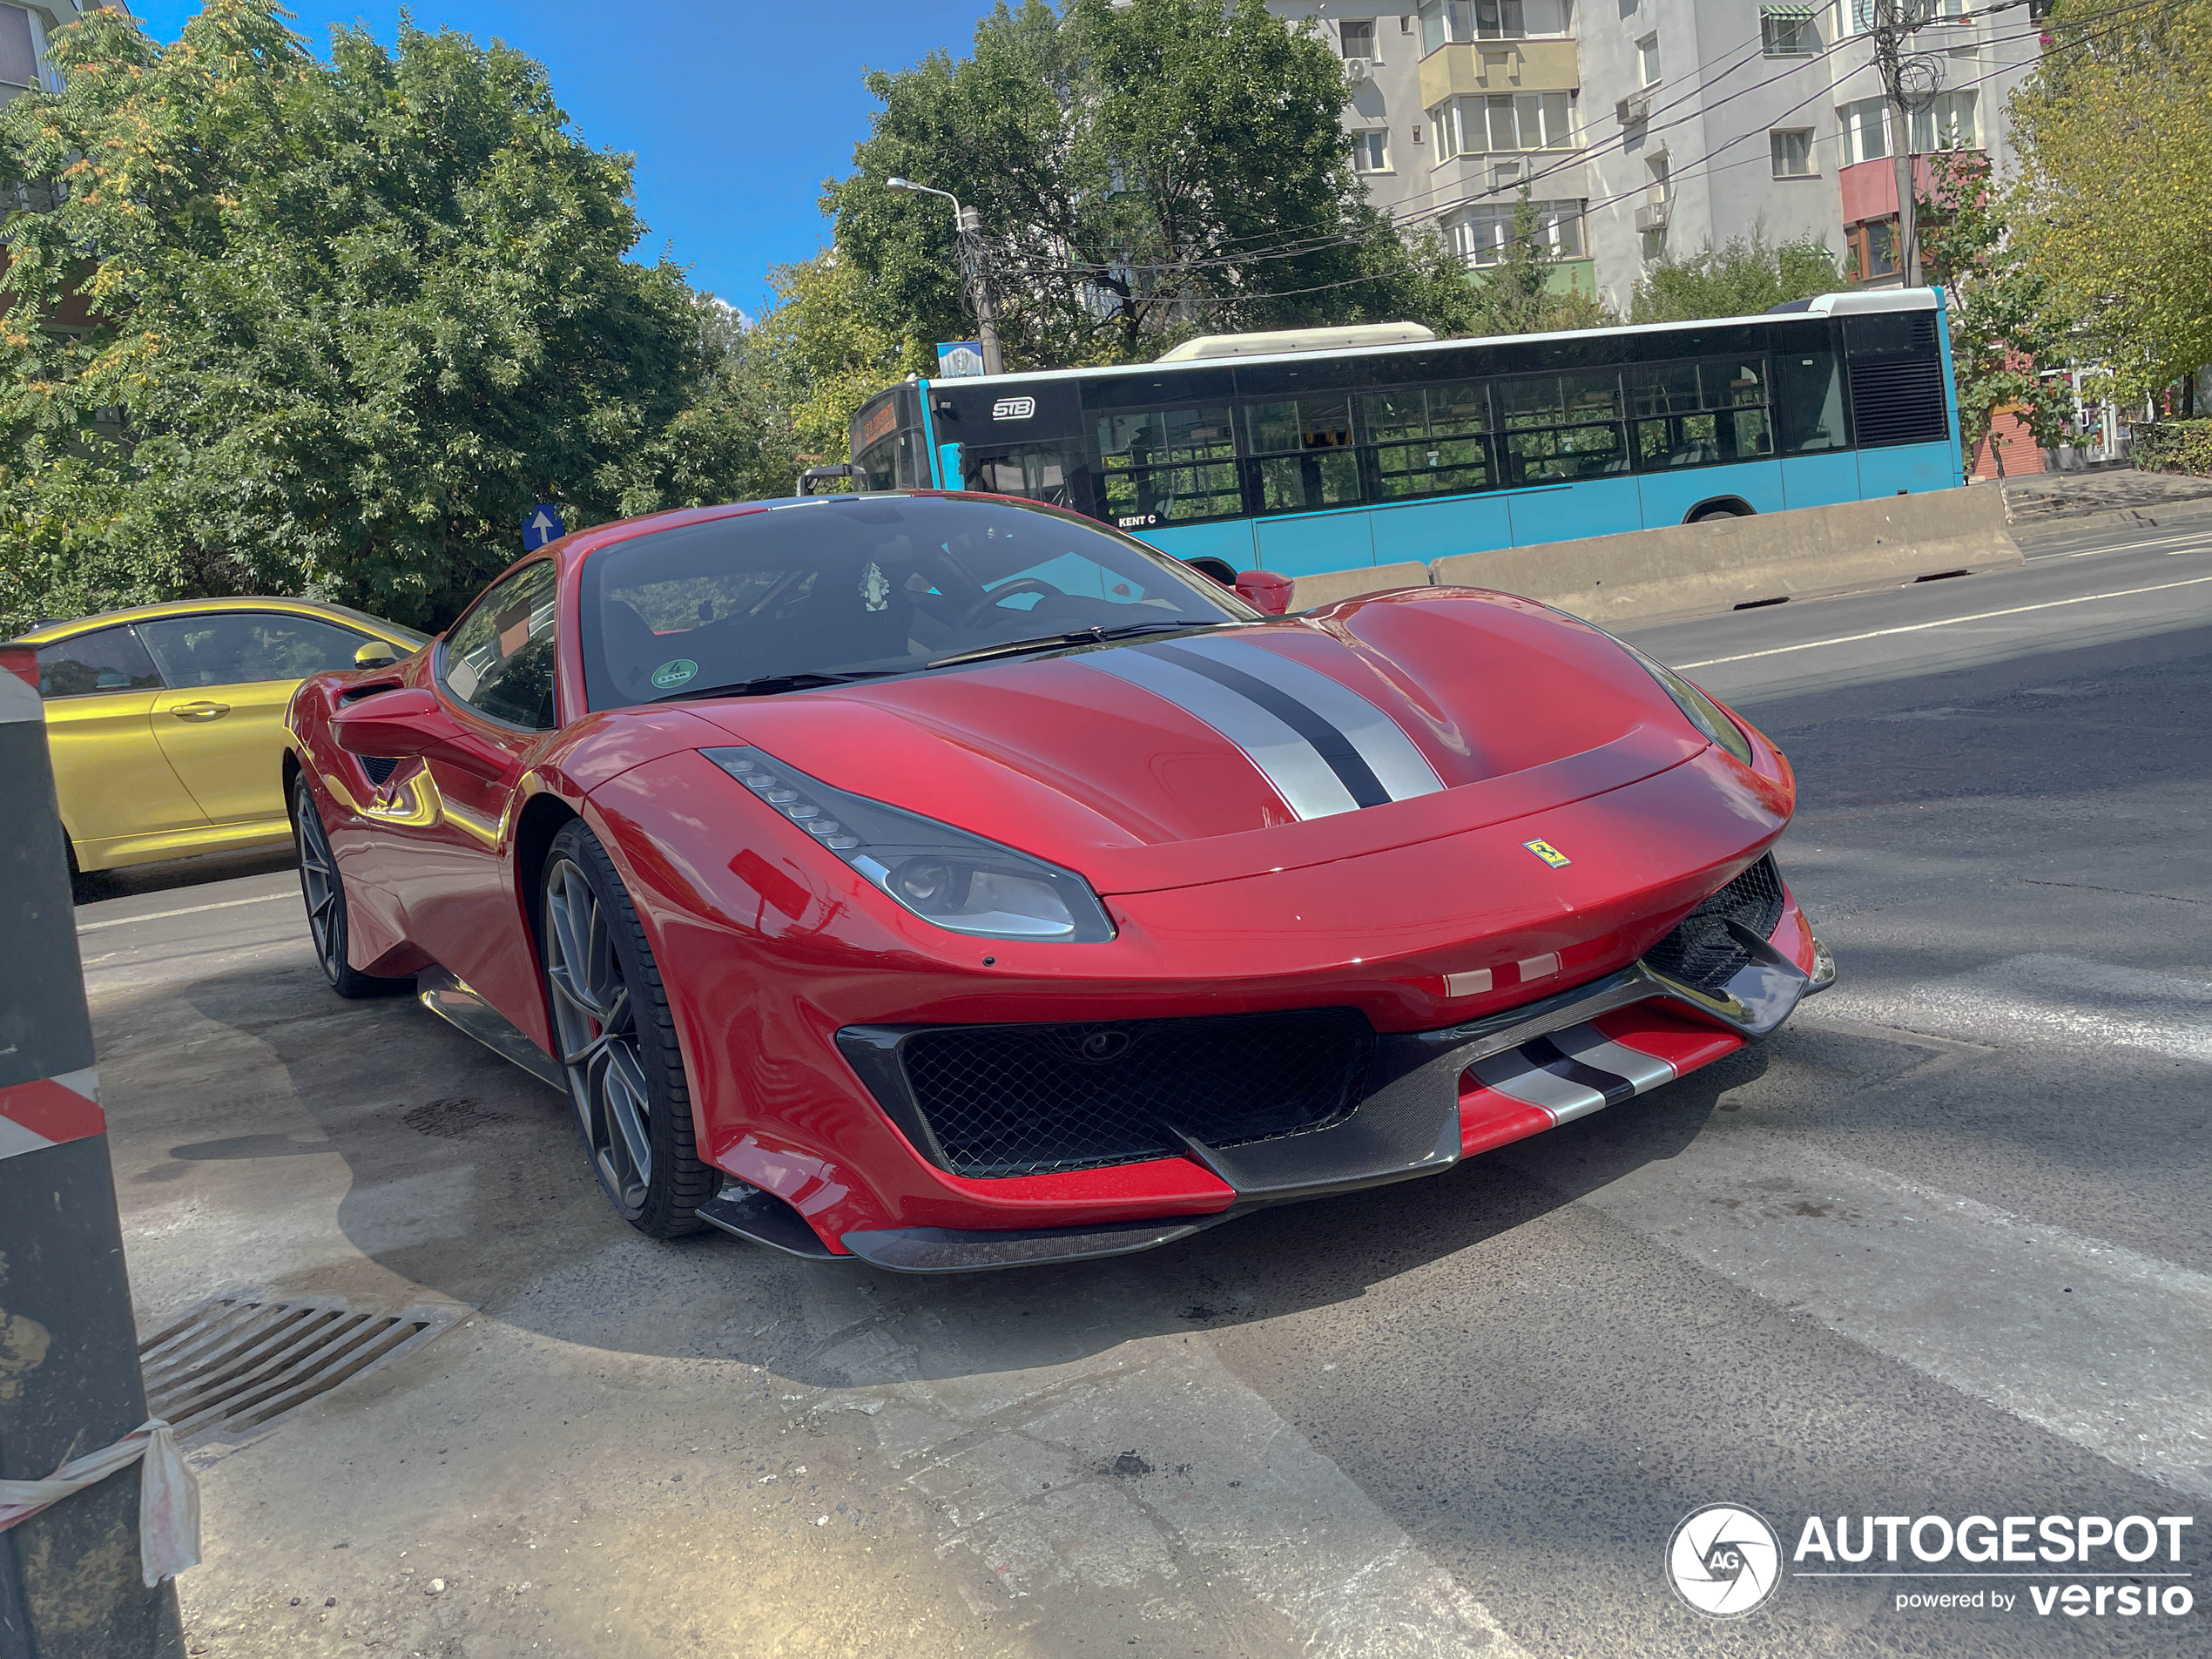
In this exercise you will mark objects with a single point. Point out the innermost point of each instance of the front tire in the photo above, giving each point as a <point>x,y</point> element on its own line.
<point>324,890</point>
<point>615,1038</point>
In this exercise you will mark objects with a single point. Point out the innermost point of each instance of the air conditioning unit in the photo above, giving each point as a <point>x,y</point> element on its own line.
<point>1357,70</point>
<point>1635,108</point>
<point>1652,216</point>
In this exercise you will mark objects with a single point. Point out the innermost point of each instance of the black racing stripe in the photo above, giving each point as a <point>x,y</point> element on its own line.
<point>1542,1051</point>
<point>1352,769</point>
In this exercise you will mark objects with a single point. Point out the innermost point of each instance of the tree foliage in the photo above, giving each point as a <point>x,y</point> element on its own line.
<point>1521,295</point>
<point>346,320</point>
<point>2002,323</point>
<point>1142,173</point>
<point>1743,277</point>
<point>2114,132</point>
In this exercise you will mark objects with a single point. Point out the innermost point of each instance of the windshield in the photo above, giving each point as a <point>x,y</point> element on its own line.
<point>862,585</point>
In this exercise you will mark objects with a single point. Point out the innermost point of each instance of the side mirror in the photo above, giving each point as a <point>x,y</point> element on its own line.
<point>1220,570</point>
<point>1265,592</point>
<point>375,654</point>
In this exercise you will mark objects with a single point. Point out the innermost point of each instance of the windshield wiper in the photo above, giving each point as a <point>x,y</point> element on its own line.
<point>1076,637</point>
<point>768,684</point>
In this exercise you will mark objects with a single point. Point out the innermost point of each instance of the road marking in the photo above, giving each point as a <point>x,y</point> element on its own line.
<point>1149,1465</point>
<point>2187,541</point>
<point>2055,999</point>
<point>189,910</point>
<point>1948,622</point>
<point>1975,1297</point>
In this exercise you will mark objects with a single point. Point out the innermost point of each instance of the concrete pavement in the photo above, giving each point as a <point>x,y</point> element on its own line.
<point>1938,1248</point>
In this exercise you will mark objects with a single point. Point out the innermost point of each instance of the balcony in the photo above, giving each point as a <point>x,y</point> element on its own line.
<point>1499,66</point>
<point>1553,175</point>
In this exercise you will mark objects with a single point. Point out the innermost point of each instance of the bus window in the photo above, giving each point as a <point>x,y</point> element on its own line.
<point>1302,458</point>
<point>1168,467</point>
<point>1430,442</point>
<point>1699,414</point>
<point>1044,472</point>
<point>1808,403</point>
<point>1560,428</point>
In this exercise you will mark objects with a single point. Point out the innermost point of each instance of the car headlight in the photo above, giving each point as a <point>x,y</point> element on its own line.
<point>944,875</point>
<point>1705,714</point>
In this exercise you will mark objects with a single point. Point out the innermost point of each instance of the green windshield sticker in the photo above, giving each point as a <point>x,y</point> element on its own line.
<point>673,674</point>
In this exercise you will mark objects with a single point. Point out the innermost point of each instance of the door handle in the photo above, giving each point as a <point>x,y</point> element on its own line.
<point>201,711</point>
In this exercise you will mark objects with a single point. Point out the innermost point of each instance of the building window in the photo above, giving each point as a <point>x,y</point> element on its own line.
<point>1648,61</point>
<point>1480,237</point>
<point>1873,249</point>
<point>1654,245</point>
<point>1945,122</point>
<point>1865,129</point>
<point>1793,149</point>
<point>1787,31</point>
<point>1508,122</point>
<point>1357,39</point>
<point>1855,17</point>
<point>1464,20</point>
<point>1371,151</point>
<point>19,49</point>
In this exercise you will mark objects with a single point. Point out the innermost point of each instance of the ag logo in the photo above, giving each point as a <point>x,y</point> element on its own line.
<point>1550,854</point>
<point>1013,408</point>
<point>1723,1561</point>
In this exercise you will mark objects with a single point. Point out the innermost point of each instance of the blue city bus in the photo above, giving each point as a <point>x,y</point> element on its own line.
<point>1303,461</point>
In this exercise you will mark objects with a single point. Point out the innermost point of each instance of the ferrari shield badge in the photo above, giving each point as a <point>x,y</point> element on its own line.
<point>1550,854</point>
<point>670,675</point>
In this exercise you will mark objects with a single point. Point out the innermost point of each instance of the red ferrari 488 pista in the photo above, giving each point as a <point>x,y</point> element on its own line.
<point>949,882</point>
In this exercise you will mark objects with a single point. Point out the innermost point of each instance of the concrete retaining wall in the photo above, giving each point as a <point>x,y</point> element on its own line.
<point>1699,569</point>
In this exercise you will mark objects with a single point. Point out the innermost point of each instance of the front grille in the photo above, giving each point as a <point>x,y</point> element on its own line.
<point>1029,1099</point>
<point>1701,953</point>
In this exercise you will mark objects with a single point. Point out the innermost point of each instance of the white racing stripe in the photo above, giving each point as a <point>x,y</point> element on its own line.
<point>1292,764</point>
<point>1947,621</point>
<point>1973,1296</point>
<point>1389,754</point>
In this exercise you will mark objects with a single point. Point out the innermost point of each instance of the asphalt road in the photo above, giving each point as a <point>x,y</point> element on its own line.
<point>1940,1248</point>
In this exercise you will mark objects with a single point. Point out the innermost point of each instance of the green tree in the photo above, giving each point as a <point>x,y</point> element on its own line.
<point>1142,173</point>
<point>2003,324</point>
<point>2114,130</point>
<point>348,319</point>
<point>1741,277</point>
<point>1521,293</point>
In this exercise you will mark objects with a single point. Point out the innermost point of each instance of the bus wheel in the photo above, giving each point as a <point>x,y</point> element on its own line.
<point>1719,509</point>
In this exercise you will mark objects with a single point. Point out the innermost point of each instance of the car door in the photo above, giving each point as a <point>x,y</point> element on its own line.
<point>116,788</point>
<point>495,673</point>
<point>230,676</point>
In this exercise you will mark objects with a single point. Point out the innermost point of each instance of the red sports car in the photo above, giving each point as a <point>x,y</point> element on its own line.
<point>950,883</point>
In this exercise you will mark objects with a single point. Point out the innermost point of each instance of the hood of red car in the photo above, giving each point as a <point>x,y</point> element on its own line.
<point>1205,756</point>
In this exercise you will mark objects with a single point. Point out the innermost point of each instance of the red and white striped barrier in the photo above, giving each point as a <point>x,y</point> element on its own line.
<point>35,1116</point>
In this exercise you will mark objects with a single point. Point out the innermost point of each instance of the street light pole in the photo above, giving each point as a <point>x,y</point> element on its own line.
<point>974,272</point>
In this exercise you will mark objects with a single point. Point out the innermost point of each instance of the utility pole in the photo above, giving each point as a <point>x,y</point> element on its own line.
<point>1905,81</point>
<point>974,269</point>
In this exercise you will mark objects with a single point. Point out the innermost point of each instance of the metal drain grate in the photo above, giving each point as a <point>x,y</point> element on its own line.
<point>238,1363</point>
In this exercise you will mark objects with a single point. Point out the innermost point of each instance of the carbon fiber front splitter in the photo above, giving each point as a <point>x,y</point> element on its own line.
<point>1407,1125</point>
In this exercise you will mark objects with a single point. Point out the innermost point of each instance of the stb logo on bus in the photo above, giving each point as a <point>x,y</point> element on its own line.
<point>1013,408</point>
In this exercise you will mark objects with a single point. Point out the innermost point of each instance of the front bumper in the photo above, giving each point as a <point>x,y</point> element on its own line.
<point>1416,1116</point>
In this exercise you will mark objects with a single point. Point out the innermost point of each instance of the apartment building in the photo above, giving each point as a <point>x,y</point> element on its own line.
<point>1646,127</point>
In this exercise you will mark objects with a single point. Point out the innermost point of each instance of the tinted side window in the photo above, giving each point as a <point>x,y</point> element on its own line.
<point>499,660</point>
<point>1809,402</point>
<point>235,647</point>
<point>107,660</point>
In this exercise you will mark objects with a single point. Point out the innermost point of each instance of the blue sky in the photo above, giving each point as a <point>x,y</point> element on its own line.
<point>736,112</point>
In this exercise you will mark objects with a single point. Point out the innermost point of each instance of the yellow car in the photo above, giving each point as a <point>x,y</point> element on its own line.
<point>166,723</point>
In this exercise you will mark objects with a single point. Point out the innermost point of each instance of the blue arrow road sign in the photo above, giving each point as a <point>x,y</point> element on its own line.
<point>540,525</point>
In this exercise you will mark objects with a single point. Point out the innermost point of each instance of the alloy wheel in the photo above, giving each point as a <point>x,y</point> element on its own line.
<point>596,1024</point>
<point>325,896</point>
